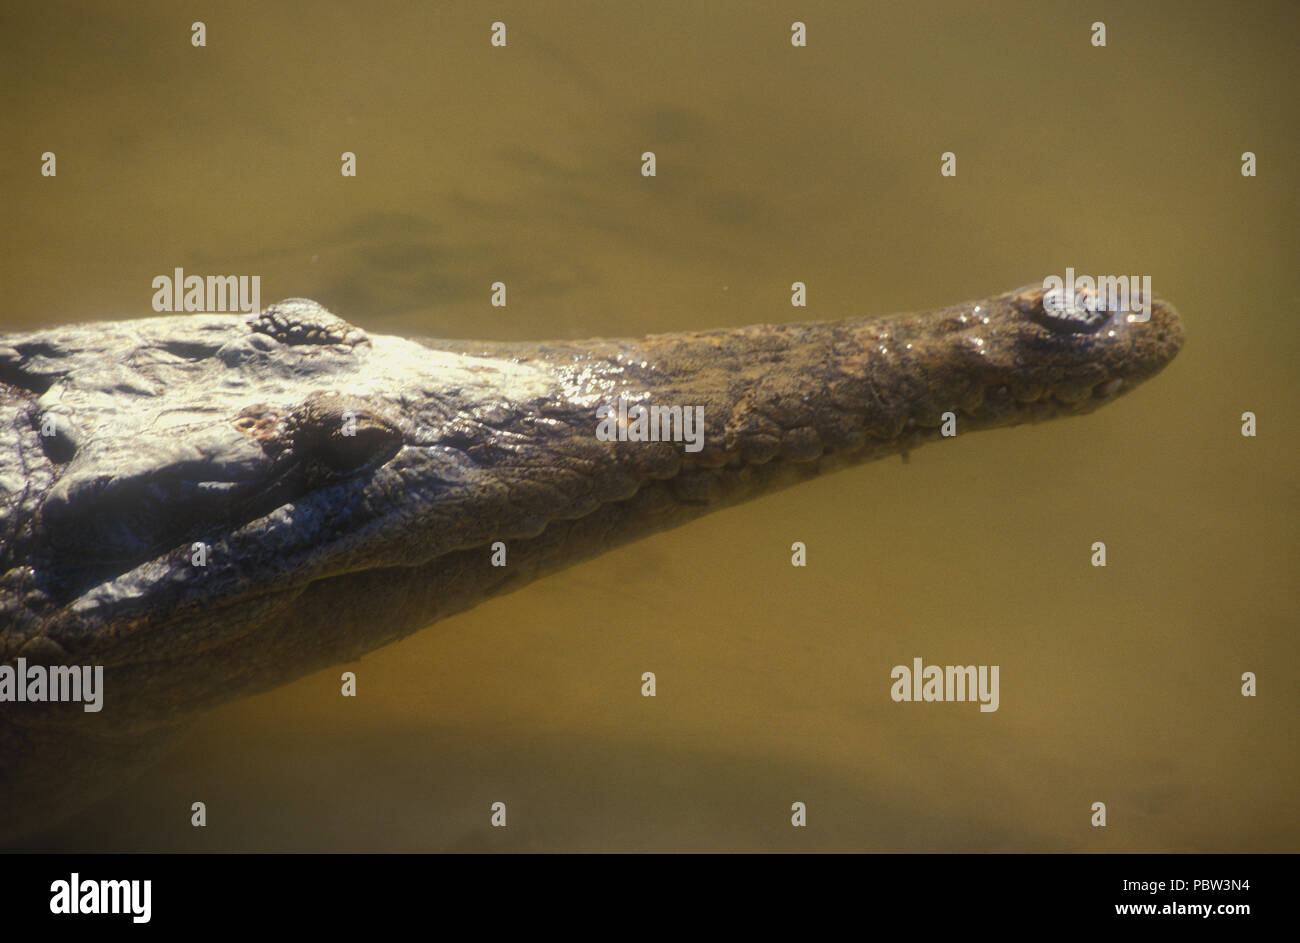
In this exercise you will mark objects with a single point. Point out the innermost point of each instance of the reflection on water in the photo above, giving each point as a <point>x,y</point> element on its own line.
<point>775,165</point>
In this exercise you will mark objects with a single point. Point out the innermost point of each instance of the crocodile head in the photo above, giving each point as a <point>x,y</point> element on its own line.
<point>208,506</point>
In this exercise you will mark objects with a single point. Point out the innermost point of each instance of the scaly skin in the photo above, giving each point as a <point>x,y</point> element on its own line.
<point>170,432</point>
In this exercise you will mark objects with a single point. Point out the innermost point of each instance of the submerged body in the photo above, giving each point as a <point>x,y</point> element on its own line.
<point>209,507</point>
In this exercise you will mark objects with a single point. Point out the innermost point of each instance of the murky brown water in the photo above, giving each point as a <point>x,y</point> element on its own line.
<point>522,164</point>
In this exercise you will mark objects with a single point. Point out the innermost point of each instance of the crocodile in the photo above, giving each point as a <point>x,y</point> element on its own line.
<point>208,506</point>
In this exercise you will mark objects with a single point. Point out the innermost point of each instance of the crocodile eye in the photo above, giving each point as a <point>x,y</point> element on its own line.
<point>342,434</point>
<point>59,437</point>
<point>371,442</point>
